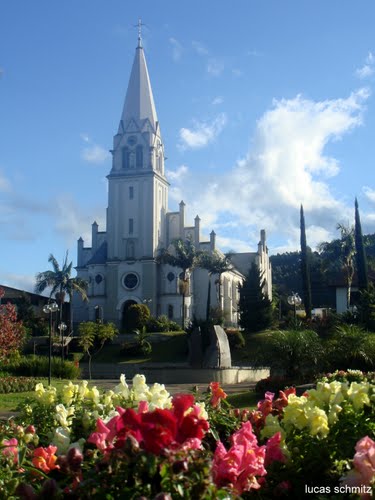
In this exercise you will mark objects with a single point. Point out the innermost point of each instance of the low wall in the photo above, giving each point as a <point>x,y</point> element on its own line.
<point>178,374</point>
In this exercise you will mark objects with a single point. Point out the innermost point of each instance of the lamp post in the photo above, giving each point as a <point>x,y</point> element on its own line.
<point>50,309</point>
<point>294,300</point>
<point>98,314</point>
<point>62,327</point>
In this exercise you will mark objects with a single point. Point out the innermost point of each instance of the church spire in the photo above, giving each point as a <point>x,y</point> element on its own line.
<point>139,101</point>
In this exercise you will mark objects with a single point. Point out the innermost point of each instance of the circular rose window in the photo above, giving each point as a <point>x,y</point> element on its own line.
<point>131,281</point>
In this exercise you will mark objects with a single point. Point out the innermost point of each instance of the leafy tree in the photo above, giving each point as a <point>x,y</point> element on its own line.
<point>361,260</point>
<point>305,268</point>
<point>255,308</point>
<point>93,336</point>
<point>137,316</point>
<point>215,264</point>
<point>61,283</point>
<point>12,332</point>
<point>182,254</point>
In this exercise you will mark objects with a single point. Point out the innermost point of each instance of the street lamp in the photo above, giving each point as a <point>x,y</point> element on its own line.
<point>98,314</point>
<point>50,309</point>
<point>62,327</point>
<point>294,300</point>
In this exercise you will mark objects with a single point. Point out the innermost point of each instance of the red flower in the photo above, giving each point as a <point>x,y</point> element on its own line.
<point>273,450</point>
<point>45,458</point>
<point>217,394</point>
<point>10,448</point>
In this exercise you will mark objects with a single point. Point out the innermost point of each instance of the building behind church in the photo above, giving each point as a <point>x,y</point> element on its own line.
<point>121,264</point>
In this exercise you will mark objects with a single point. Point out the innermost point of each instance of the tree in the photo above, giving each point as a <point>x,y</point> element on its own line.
<point>305,268</point>
<point>183,255</point>
<point>361,260</point>
<point>93,336</point>
<point>12,332</point>
<point>61,283</point>
<point>255,308</point>
<point>347,256</point>
<point>137,316</point>
<point>215,264</point>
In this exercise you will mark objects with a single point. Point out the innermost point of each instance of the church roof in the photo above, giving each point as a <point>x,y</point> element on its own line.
<point>100,256</point>
<point>139,102</point>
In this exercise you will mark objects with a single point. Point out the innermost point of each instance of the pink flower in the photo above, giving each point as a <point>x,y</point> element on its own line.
<point>10,448</point>
<point>363,473</point>
<point>242,463</point>
<point>273,450</point>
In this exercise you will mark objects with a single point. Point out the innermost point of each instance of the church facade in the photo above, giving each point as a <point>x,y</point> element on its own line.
<point>121,265</point>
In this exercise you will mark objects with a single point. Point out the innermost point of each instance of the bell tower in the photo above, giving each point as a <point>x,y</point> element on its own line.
<point>138,189</point>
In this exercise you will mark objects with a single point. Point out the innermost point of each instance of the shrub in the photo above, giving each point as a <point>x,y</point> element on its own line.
<point>161,324</point>
<point>298,353</point>
<point>137,316</point>
<point>37,366</point>
<point>235,338</point>
<point>17,384</point>
<point>351,347</point>
<point>273,384</point>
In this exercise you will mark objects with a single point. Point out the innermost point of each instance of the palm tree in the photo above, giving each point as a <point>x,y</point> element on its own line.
<point>61,283</point>
<point>215,264</point>
<point>347,256</point>
<point>184,256</point>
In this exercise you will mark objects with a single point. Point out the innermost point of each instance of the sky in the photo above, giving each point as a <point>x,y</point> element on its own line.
<point>263,106</point>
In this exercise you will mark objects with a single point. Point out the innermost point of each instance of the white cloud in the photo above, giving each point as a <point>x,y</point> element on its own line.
<point>176,49</point>
<point>200,48</point>
<point>237,72</point>
<point>214,67</point>
<point>203,133</point>
<point>177,175</point>
<point>286,166</point>
<point>369,193</point>
<point>92,152</point>
<point>218,100</point>
<point>368,68</point>
<point>20,281</point>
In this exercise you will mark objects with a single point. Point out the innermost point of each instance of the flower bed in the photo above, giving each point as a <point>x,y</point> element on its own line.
<point>140,442</point>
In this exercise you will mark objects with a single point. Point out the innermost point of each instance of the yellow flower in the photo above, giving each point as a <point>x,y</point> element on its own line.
<point>317,421</point>
<point>271,426</point>
<point>358,394</point>
<point>68,393</point>
<point>294,413</point>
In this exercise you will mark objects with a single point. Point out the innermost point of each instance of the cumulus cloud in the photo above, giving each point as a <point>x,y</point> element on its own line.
<point>203,133</point>
<point>177,175</point>
<point>176,49</point>
<point>368,68</point>
<point>287,165</point>
<point>92,152</point>
<point>369,193</point>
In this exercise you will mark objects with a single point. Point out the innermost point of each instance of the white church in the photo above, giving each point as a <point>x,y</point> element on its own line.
<point>121,264</point>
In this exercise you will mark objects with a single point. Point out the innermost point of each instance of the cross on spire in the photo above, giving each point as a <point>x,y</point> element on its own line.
<point>139,26</point>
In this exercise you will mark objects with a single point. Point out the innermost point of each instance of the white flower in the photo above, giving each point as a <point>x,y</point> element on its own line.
<point>61,439</point>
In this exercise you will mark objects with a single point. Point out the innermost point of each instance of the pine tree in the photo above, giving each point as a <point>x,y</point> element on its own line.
<point>361,259</point>
<point>255,308</point>
<point>305,270</point>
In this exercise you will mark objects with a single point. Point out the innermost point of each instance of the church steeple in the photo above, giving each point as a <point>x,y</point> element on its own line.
<point>138,144</point>
<point>139,101</point>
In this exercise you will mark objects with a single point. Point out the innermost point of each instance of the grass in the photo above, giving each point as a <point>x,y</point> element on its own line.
<point>246,399</point>
<point>10,401</point>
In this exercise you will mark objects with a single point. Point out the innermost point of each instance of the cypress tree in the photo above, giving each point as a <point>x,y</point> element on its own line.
<point>305,270</point>
<point>254,306</point>
<point>361,260</point>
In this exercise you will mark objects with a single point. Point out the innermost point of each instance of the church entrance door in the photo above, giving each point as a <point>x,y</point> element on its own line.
<point>124,320</point>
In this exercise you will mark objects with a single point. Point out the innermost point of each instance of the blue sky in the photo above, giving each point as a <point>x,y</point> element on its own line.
<point>263,105</point>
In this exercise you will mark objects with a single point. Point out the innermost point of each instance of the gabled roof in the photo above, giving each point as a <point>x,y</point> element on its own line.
<point>100,256</point>
<point>139,102</point>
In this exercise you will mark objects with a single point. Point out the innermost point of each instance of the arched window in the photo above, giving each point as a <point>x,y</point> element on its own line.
<point>170,311</point>
<point>125,157</point>
<point>139,156</point>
